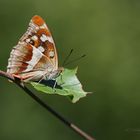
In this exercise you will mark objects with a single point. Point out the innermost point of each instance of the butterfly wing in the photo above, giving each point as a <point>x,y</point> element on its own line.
<point>34,53</point>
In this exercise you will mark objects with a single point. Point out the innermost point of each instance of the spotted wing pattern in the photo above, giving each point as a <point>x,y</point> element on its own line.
<point>35,54</point>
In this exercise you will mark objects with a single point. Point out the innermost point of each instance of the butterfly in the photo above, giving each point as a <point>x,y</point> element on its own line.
<point>34,58</point>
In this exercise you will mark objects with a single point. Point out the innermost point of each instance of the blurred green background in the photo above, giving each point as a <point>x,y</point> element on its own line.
<point>108,32</point>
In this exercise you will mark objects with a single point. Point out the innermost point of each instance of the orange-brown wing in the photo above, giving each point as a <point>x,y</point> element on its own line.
<point>35,50</point>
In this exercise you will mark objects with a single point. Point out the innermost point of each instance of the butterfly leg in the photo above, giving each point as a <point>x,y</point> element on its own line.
<point>43,77</point>
<point>54,90</point>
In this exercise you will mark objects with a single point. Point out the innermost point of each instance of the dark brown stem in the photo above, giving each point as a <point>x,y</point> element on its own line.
<point>47,107</point>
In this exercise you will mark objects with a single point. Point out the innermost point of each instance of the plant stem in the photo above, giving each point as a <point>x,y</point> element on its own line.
<point>47,107</point>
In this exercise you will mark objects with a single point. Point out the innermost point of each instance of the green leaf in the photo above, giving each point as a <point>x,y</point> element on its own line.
<point>67,85</point>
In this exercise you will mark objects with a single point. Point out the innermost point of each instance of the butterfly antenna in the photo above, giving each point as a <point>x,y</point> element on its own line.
<point>68,56</point>
<point>76,59</point>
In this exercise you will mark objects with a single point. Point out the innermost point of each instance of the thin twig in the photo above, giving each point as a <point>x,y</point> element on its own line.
<point>47,107</point>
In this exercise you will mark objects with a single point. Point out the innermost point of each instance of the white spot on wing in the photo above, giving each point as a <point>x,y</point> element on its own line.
<point>35,58</point>
<point>28,40</point>
<point>45,38</point>
<point>41,48</point>
<point>34,38</point>
<point>44,26</point>
<point>51,53</point>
